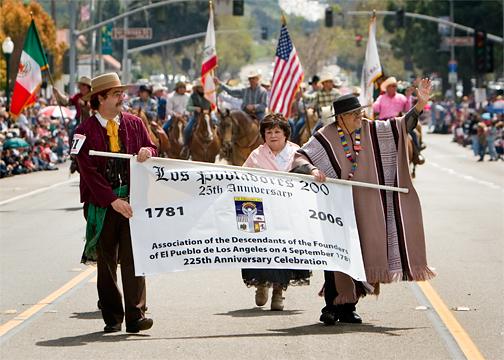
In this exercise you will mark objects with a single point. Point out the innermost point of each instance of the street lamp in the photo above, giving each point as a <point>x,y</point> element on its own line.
<point>7,48</point>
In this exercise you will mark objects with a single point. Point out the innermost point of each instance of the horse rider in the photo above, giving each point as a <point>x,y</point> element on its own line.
<point>255,97</point>
<point>392,104</point>
<point>196,104</point>
<point>81,106</point>
<point>176,105</point>
<point>323,97</point>
<point>145,102</point>
<point>159,92</point>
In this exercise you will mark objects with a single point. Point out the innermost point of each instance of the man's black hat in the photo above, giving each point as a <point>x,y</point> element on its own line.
<point>345,104</point>
<point>314,79</point>
<point>145,88</point>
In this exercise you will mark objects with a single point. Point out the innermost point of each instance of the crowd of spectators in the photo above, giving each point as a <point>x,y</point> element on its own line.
<point>480,127</point>
<point>32,142</point>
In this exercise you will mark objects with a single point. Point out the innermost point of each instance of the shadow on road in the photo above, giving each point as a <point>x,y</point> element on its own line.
<point>313,329</point>
<point>259,312</point>
<point>81,340</point>
<point>90,315</point>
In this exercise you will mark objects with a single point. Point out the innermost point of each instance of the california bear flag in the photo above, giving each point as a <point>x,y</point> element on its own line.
<point>29,77</point>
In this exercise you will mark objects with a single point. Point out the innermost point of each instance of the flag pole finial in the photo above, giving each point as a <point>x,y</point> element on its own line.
<point>374,14</point>
<point>282,18</point>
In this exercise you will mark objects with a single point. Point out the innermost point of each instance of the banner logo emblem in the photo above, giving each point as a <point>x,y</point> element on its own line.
<point>250,214</point>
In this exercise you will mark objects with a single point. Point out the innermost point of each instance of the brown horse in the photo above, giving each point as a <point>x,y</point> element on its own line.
<point>176,136</point>
<point>240,136</point>
<point>413,160</point>
<point>156,132</point>
<point>310,122</point>
<point>205,143</point>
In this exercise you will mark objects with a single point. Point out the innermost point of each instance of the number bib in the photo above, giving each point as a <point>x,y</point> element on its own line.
<point>78,141</point>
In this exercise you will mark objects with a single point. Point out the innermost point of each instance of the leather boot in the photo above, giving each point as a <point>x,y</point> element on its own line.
<point>277,300</point>
<point>261,295</point>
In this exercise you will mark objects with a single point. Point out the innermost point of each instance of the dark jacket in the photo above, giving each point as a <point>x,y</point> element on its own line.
<point>94,188</point>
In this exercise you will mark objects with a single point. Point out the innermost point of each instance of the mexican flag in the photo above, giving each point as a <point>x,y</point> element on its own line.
<point>29,77</point>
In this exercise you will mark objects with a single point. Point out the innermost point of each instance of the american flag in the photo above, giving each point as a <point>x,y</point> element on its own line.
<point>287,75</point>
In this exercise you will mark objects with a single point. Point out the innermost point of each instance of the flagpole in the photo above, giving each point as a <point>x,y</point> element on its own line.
<point>272,172</point>
<point>50,76</point>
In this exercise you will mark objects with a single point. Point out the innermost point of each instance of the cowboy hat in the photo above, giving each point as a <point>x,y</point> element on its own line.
<point>314,79</point>
<point>253,74</point>
<point>390,81</point>
<point>345,104</point>
<point>105,82</point>
<point>158,87</point>
<point>326,77</point>
<point>180,84</point>
<point>197,83</point>
<point>84,80</point>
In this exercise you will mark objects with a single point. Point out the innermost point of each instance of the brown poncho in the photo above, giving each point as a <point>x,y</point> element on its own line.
<point>389,223</point>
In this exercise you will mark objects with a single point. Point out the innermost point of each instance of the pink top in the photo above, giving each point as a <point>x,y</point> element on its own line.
<point>263,158</point>
<point>388,107</point>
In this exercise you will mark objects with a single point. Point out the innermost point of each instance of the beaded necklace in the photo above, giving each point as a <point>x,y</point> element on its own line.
<point>357,147</point>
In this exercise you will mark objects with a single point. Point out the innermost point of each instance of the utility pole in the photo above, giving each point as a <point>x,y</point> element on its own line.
<point>93,41</point>
<point>452,53</point>
<point>73,49</point>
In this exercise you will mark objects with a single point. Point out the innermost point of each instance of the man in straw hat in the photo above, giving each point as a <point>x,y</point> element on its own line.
<point>389,223</point>
<point>323,97</point>
<point>255,97</point>
<point>391,104</point>
<point>104,192</point>
<point>81,106</point>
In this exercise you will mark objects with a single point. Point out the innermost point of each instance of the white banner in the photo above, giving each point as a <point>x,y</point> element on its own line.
<point>189,216</point>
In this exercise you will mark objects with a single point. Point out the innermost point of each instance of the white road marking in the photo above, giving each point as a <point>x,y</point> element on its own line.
<point>38,191</point>
<point>470,178</point>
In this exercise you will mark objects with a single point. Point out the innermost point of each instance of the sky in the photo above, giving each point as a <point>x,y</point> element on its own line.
<point>311,10</point>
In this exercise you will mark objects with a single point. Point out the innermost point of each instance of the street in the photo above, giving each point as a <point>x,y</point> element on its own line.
<point>48,299</point>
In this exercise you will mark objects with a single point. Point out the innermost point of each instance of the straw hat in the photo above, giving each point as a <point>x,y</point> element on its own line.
<point>158,87</point>
<point>180,84</point>
<point>105,82</point>
<point>326,77</point>
<point>197,83</point>
<point>253,74</point>
<point>84,80</point>
<point>390,81</point>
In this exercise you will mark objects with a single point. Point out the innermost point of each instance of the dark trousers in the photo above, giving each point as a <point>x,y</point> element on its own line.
<point>114,247</point>
<point>330,294</point>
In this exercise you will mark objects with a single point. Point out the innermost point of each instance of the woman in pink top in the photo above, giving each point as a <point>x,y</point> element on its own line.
<point>275,154</point>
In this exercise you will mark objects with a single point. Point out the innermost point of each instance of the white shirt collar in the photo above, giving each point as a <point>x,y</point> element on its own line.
<point>103,121</point>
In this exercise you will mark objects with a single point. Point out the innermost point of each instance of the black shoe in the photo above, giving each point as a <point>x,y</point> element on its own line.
<point>350,317</point>
<point>328,318</point>
<point>112,328</point>
<point>139,325</point>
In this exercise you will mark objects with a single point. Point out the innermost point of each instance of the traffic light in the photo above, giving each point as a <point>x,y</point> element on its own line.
<point>489,64</point>
<point>358,40</point>
<point>264,33</point>
<point>238,7</point>
<point>186,64</point>
<point>400,18</point>
<point>328,17</point>
<point>480,51</point>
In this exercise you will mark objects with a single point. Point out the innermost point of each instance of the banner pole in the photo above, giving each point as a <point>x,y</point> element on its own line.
<point>231,167</point>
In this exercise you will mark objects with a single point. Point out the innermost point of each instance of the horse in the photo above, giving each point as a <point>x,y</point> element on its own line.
<point>176,136</point>
<point>310,122</point>
<point>412,159</point>
<point>205,143</point>
<point>155,131</point>
<point>240,136</point>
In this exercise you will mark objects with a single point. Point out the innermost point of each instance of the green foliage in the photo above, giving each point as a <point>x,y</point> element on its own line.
<point>420,39</point>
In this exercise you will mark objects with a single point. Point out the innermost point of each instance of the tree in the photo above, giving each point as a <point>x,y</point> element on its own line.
<point>420,39</point>
<point>15,19</point>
